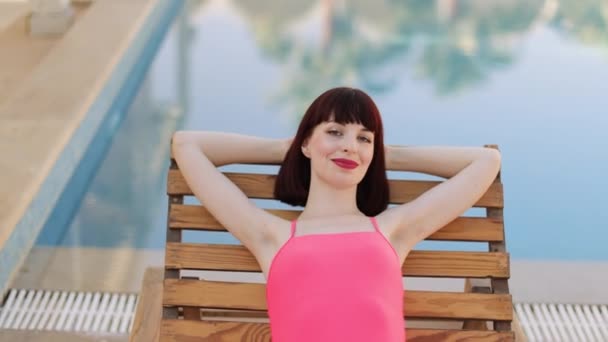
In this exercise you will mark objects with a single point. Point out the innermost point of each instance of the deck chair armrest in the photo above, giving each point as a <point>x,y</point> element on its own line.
<point>148,313</point>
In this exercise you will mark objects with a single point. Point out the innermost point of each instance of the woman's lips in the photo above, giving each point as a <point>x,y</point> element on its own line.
<point>345,163</point>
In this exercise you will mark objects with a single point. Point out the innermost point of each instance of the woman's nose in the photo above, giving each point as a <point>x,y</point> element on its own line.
<point>349,144</point>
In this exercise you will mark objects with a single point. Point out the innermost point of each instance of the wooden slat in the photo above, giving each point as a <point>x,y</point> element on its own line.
<point>417,264</point>
<point>184,330</point>
<point>461,229</point>
<point>417,304</point>
<point>433,335</point>
<point>262,186</point>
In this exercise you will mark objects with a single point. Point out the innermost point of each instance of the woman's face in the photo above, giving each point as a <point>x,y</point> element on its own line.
<point>340,154</point>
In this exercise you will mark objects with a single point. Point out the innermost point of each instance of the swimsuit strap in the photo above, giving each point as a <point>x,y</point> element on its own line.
<point>293,228</point>
<point>375,223</point>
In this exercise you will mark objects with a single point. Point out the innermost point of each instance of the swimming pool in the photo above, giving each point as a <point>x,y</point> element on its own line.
<point>522,74</point>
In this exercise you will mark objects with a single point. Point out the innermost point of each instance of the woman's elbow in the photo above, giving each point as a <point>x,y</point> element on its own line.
<point>494,158</point>
<point>180,142</point>
<point>180,138</point>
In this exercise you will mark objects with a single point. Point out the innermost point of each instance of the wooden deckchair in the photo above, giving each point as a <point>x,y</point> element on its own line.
<point>212,310</point>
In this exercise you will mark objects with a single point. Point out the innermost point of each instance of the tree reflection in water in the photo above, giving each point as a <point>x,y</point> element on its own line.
<point>453,44</point>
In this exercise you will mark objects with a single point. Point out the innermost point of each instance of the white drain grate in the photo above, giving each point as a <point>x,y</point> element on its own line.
<point>563,322</point>
<point>68,311</point>
<point>113,313</point>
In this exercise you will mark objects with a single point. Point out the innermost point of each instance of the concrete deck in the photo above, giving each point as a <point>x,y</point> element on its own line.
<point>12,11</point>
<point>22,53</point>
<point>54,92</point>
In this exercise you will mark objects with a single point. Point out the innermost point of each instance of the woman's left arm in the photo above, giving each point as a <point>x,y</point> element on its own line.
<point>470,172</point>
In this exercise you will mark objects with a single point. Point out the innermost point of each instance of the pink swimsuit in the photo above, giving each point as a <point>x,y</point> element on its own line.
<point>336,287</point>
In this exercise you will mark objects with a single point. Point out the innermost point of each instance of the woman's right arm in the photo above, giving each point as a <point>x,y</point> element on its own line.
<point>199,153</point>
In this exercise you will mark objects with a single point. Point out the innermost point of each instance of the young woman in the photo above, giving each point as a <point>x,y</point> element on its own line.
<point>334,274</point>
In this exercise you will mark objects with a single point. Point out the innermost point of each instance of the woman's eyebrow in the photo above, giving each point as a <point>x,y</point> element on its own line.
<point>363,129</point>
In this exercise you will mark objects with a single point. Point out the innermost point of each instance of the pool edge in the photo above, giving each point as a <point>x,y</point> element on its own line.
<point>22,236</point>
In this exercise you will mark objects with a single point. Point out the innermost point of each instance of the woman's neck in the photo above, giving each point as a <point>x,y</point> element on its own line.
<point>326,201</point>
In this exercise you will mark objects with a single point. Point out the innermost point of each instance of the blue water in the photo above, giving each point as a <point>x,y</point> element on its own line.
<point>529,76</point>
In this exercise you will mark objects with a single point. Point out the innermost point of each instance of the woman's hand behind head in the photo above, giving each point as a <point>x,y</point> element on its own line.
<point>287,145</point>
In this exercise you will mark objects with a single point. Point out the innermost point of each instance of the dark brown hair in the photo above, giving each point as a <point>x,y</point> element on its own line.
<point>342,105</point>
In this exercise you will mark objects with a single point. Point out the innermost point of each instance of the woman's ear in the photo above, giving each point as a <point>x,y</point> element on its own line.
<point>305,150</point>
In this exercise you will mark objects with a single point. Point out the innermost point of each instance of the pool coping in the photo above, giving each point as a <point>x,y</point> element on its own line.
<point>46,125</point>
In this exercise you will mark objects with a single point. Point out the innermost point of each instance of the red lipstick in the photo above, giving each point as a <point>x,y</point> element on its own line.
<point>345,163</point>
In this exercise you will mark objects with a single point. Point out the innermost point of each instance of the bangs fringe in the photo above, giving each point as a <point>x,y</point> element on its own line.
<point>350,106</point>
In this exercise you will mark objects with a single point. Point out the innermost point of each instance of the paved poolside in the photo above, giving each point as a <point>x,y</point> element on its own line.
<point>10,12</point>
<point>47,87</point>
<point>63,75</point>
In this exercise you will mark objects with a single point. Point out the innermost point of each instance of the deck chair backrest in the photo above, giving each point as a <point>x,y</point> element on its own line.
<point>236,311</point>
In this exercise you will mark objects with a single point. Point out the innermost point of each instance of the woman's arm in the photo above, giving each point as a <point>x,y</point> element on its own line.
<point>231,148</point>
<point>199,153</point>
<point>442,161</point>
<point>470,172</point>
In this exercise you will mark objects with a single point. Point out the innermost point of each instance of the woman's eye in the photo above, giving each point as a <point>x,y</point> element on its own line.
<point>338,133</point>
